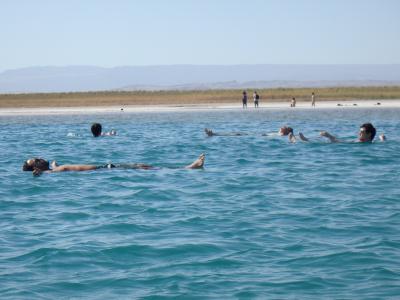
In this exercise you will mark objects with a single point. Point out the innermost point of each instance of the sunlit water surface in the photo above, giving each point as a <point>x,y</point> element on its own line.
<point>263,219</point>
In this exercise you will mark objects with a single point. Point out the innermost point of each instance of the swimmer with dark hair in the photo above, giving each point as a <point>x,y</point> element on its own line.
<point>97,130</point>
<point>366,134</point>
<point>285,130</point>
<point>39,165</point>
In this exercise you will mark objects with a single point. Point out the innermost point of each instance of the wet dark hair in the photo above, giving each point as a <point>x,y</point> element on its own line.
<point>369,128</point>
<point>38,163</point>
<point>96,129</point>
<point>286,130</point>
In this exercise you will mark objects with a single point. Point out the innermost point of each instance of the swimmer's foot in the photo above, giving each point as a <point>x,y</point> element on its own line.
<point>209,132</point>
<point>198,163</point>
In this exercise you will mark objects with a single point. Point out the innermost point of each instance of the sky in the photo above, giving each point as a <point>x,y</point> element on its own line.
<point>202,32</point>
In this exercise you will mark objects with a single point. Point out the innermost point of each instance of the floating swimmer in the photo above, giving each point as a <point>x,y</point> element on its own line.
<point>366,134</point>
<point>39,165</point>
<point>210,133</point>
<point>97,131</point>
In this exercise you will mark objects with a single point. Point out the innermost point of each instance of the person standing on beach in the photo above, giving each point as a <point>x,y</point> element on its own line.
<point>293,104</point>
<point>312,99</point>
<point>244,99</point>
<point>256,98</point>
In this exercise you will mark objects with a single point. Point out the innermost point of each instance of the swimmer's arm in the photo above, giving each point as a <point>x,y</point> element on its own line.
<point>292,138</point>
<point>111,133</point>
<point>302,137</point>
<point>329,136</point>
<point>76,168</point>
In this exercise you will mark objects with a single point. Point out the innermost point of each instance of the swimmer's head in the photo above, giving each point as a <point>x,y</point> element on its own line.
<point>285,130</point>
<point>96,129</point>
<point>367,132</point>
<point>36,163</point>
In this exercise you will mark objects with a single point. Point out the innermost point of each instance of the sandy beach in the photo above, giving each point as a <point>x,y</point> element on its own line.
<point>392,103</point>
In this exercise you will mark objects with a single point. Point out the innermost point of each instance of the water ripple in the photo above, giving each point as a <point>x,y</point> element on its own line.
<point>264,219</point>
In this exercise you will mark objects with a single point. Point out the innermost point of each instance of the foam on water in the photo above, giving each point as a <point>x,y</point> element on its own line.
<point>265,218</point>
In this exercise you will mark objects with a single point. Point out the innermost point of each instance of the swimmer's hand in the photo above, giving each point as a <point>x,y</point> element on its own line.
<point>329,136</point>
<point>37,172</point>
<point>382,137</point>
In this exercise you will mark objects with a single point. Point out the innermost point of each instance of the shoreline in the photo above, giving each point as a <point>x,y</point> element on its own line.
<point>82,110</point>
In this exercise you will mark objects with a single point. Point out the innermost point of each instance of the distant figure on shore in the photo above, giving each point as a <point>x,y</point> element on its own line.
<point>244,99</point>
<point>312,99</point>
<point>97,131</point>
<point>293,103</point>
<point>39,165</point>
<point>366,134</point>
<point>256,98</point>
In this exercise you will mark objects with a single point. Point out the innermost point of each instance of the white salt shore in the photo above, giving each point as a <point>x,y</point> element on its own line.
<point>199,107</point>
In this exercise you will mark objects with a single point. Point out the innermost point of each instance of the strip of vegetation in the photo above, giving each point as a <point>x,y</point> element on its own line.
<point>108,98</point>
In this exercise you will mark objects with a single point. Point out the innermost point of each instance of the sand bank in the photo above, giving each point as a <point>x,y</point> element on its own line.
<point>198,107</point>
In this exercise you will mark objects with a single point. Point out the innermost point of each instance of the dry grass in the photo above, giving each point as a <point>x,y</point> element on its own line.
<point>192,97</point>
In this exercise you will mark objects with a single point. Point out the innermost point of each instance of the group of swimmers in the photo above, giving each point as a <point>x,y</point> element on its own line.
<point>39,165</point>
<point>366,134</point>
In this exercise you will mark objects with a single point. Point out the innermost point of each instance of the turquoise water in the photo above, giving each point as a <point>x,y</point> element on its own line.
<point>263,219</point>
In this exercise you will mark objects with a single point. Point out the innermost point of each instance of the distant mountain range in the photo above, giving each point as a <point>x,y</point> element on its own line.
<point>193,77</point>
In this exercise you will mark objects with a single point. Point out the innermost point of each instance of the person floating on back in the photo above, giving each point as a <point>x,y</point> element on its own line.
<point>39,165</point>
<point>211,133</point>
<point>97,131</point>
<point>366,134</point>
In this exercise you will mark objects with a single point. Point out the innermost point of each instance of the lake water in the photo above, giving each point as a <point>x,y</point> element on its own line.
<point>263,219</point>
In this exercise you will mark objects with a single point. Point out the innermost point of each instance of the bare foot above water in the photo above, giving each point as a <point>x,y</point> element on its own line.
<point>198,163</point>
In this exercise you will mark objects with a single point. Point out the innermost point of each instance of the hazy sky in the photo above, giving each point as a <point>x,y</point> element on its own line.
<point>163,32</point>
